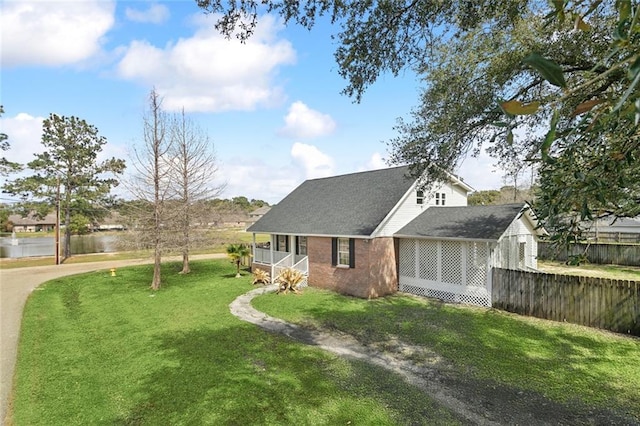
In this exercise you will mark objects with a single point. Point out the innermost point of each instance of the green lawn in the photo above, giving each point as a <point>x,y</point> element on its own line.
<point>614,272</point>
<point>561,361</point>
<point>97,349</point>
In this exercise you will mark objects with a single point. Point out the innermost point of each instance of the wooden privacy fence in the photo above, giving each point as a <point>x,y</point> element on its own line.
<point>595,302</point>
<point>601,254</point>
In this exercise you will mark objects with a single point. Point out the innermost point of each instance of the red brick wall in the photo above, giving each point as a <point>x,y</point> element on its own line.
<point>374,275</point>
<point>384,269</point>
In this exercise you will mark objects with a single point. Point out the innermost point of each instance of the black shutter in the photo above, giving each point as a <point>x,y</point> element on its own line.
<point>352,253</point>
<point>334,251</point>
<point>297,245</point>
<point>286,244</point>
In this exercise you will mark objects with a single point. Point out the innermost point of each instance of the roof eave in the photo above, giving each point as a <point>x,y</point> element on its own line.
<point>433,237</point>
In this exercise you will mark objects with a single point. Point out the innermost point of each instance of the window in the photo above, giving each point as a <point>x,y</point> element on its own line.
<point>343,252</point>
<point>282,243</point>
<point>419,197</point>
<point>521,255</point>
<point>301,246</point>
<point>440,198</point>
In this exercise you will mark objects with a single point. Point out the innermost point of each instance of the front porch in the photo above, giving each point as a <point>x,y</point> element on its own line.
<point>278,256</point>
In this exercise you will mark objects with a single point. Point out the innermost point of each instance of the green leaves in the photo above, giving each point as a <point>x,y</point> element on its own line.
<point>549,137</point>
<point>549,70</point>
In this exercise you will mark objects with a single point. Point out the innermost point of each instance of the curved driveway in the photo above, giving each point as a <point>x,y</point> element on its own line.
<point>15,287</point>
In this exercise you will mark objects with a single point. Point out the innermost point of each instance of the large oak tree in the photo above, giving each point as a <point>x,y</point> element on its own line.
<point>554,83</point>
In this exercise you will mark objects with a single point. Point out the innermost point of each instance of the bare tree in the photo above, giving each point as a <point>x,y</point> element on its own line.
<point>193,169</point>
<point>150,183</point>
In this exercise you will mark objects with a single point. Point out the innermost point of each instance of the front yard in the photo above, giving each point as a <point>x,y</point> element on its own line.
<point>98,349</point>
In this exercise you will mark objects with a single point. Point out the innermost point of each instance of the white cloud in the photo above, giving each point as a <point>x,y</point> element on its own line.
<point>480,172</point>
<point>24,132</point>
<point>316,163</point>
<point>376,162</point>
<point>304,123</point>
<point>155,14</point>
<point>53,33</point>
<point>255,179</point>
<point>209,73</point>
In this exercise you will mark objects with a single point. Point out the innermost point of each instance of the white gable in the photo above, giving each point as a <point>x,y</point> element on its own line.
<point>408,208</point>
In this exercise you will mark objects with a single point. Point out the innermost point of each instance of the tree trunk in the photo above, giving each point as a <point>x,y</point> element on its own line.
<point>185,263</point>
<point>185,243</point>
<point>67,233</point>
<point>155,284</point>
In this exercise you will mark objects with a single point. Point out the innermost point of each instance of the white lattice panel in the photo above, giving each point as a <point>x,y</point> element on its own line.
<point>428,260</point>
<point>451,261</point>
<point>477,254</point>
<point>446,292</point>
<point>407,258</point>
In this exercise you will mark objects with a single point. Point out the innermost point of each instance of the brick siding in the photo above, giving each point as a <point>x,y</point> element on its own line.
<point>375,273</point>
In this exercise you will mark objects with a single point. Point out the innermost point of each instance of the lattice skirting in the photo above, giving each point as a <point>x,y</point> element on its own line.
<point>447,292</point>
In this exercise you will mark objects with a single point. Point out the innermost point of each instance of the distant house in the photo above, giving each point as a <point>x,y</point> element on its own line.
<point>258,213</point>
<point>623,230</point>
<point>113,222</point>
<point>31,223</point>
<point>372,233</point>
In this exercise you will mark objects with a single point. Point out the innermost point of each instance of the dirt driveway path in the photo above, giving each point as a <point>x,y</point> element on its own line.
<point>475,401</point>
<point>15,287</point>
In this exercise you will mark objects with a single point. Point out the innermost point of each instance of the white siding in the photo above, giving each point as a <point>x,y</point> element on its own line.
<point>517,248</point>
<point>408,209</point>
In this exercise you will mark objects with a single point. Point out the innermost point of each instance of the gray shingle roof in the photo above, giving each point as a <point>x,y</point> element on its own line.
<point>469,222</point>
<point>353,204</point>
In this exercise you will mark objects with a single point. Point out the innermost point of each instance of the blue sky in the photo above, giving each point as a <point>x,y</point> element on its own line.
<point>272,107</point>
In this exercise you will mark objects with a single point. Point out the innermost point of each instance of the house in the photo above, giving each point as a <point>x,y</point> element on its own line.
<point>258,213</point>
<point>31,223</point>
<point>339,230</point>
<point>621,230</point>
<point>113,222</point>
<point>448,252</point>
<point>353,233</point>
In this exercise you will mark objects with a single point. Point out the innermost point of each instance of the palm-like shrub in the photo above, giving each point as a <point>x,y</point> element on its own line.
<point>237,252</point>
<point>289,279</point>
<point>260,276</point>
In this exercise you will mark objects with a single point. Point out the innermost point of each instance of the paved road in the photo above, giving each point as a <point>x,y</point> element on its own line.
<point>15,287</point>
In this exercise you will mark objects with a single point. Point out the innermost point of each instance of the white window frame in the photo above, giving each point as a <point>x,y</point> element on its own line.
<point>419,197</point>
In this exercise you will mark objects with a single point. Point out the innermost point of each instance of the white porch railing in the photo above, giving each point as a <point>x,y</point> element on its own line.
<point>287,262</point>
<point>303,266</point>
<point>263,256</point>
